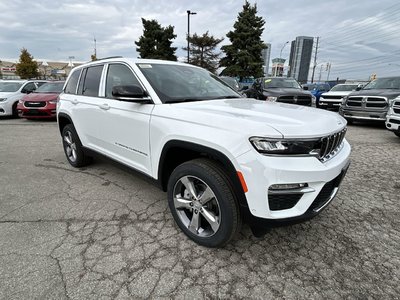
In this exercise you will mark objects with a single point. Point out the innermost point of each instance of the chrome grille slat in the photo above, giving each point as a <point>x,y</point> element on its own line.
<point>331,144</point>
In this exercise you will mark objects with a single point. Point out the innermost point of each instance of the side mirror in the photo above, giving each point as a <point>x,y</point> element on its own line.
<point>305,88</point>
<point>358,88</point>
<point>133,93</point>
<point>26,91</point>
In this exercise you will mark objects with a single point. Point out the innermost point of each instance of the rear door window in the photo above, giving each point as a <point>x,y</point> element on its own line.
<point>92,81</point>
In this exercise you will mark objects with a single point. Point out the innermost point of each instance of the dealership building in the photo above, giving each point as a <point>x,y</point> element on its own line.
<point>47,69</point>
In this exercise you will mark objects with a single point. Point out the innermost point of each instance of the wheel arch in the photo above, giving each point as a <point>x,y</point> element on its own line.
<point>63,120</point>
<point>176,152</point>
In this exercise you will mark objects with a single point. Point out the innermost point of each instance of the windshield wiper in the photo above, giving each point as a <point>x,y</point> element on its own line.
<point>226,97</point>
<point>183,100</point>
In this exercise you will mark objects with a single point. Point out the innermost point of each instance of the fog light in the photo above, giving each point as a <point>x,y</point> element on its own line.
<point>291,186</point>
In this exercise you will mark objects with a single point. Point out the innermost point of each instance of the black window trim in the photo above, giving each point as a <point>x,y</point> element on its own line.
<point>104,79</point>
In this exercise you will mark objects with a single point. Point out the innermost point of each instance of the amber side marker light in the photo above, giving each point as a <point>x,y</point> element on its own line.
<point>242,181</point>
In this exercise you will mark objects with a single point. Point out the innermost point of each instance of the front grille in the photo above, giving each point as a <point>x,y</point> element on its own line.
<point>330,145</point>
<point>368,102</point>
<point>300,100</point>
<point>283,201</point>
<point>35,104</point>
<point>36,113</point>
<point>394,121</point>
<point>396,107</point>
<point>332,97</point>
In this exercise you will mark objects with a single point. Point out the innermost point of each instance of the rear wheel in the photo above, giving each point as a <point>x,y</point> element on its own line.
<point>202,202</point>
<point>73,147</point>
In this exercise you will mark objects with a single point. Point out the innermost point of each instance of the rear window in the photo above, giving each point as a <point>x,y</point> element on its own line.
<point>72,83</point>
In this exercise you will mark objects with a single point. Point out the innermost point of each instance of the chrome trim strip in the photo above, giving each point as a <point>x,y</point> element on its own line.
<point>333,194</point>
<point>291,191</point>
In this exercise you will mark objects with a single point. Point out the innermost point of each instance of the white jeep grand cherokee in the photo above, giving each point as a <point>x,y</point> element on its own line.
<point>222,159</point>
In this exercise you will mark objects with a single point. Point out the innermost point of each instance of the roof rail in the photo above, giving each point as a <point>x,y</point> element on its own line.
<point>103,58</point>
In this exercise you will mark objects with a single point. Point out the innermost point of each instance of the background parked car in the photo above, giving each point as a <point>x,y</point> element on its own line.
<point>372,101</point>
<point>393,117</point>
<point>231,81</point>
<point>331,100</point>
<point>317,89</point>
<point>11,91</point>
<point>280,89</point>
<point>42,102</point>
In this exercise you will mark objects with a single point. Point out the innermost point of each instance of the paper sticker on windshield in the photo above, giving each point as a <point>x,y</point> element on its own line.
<point>145,66</point>
<point>267,80</point>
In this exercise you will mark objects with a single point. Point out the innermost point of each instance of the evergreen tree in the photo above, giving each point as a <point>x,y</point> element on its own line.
<point>243,55</point>
<point>202,51</point>
<point>26,67</point>
<point>156,41</point>
<point>93,57</point>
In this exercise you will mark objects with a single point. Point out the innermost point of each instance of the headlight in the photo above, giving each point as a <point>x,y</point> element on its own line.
<point>292,147</point>
<point>3,99</point>
<point>313,101</point>
<point>53,102</point>
<point>271,98</point>
<point>20,102</point>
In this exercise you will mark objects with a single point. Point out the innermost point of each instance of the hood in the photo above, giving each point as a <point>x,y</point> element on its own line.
<point>390,93</point>
<point>285,91</point>
<point>6,94</point>
<point>338,93</point>
<point>256,118</point>
<point>40,97</point>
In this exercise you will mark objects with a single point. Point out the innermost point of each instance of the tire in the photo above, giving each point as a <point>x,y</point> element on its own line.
<point>14,110</point>
<point>350,121</point>
<point>73,148</point>
<point>397,133</point>
<point>202,202</point>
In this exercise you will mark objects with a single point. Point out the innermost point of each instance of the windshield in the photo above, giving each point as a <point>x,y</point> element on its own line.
<point>344,87</point>
<point>280,83</point>
<point>51,87</point>
<point>384,83</point>
<point>181,83</point>
<point>9,87</point>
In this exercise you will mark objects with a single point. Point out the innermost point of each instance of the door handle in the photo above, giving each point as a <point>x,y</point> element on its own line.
<point>74,101</point>
<point>105,106</point>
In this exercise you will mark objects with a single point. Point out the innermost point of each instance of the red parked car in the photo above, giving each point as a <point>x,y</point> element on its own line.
<point>42,102</point>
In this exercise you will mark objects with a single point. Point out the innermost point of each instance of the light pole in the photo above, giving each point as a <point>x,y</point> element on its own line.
<point>188,35</point>
<point>280,55</point>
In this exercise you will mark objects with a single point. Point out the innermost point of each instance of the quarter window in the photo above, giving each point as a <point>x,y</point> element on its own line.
<point>119,75</point>
<point>72,83</point>
<point>92,81</point>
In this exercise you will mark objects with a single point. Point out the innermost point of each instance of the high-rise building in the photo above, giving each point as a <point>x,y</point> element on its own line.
<point>266,55</point>
<point>300,58</point>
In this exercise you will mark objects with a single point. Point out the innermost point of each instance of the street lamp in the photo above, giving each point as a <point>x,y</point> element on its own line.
<point>188,14</point>
<point>280,56</point>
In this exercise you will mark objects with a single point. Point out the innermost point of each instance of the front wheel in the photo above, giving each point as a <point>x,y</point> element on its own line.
<point>203,203</point>
<point>397,133</point>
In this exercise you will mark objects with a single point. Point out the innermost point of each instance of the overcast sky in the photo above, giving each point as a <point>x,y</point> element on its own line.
<point>358,37</point>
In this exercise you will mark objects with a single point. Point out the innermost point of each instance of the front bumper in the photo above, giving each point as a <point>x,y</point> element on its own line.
<point>47,112</point>
<point>322,180</point>
<point>355,114</point>
<point>393,122</point>
<point>329,104</point>
<point>5,108</point>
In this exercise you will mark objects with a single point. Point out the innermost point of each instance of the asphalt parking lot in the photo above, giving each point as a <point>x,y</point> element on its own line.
<point>101,232</point>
